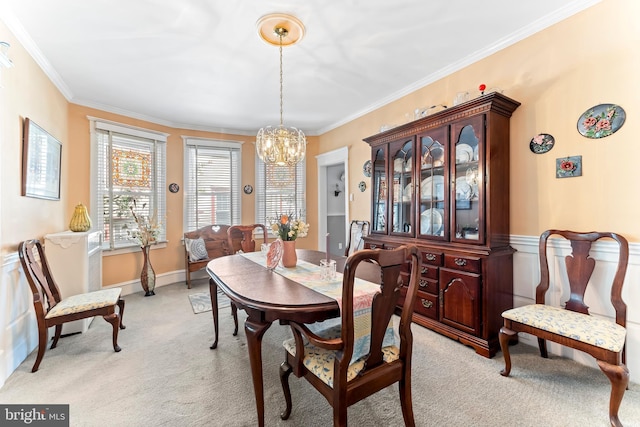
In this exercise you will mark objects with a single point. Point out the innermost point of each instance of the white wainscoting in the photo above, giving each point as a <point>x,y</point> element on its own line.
<point>19,335</point>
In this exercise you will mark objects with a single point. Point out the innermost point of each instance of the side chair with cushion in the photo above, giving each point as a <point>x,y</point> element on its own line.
<point>203,245</point>
<point>573,326</point>
<point>239,238</point>
<point>324,359</point>
<point>52,310</point>
<point>357,230</point>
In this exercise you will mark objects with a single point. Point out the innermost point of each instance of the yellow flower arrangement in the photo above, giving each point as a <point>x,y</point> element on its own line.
<point>287,227</point>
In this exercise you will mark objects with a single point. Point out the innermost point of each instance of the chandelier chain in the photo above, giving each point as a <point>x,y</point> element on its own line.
<point>281,78</point>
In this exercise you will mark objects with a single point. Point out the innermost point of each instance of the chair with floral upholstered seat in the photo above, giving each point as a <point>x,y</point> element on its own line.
<point>573,326</point>
<point>325,358</point>
<point>53,310</point>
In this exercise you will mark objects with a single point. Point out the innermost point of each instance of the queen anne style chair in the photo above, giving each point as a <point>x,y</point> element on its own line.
<point>324,358</point>
<point>239,238</point>
<point>573,326</point>
<point>52,310</point>
<point>357,230</point>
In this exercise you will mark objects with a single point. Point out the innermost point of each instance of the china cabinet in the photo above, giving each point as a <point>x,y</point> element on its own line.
<point>442,183</point>
<point>75,259</point>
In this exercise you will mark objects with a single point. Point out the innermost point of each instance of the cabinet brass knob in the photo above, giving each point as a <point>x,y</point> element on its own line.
<point>426,303</point>
<point>460,262</point>
<point>423,283</point>
<point>373,246</point>
<point>430,257</point>
<point>423,270</point>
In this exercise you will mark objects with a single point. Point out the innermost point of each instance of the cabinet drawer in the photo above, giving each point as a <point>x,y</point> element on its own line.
<point>429,271</point>
<point>428,285</point>
<point>426,304</point>
<point>432,258</point>
<point>464,263</point>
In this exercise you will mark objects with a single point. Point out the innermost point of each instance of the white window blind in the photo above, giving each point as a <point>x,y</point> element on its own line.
<point>128,164</point>
<point>280,190</point>
<point>212,183</point>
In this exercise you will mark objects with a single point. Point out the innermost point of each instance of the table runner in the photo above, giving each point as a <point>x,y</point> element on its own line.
<point>308,274</point>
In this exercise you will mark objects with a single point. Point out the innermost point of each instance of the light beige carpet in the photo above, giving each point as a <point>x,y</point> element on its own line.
<point>166,375</point>
<point>201,301</point>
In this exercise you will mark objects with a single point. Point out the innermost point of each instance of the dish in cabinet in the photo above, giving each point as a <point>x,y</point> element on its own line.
<point>430,222</point>
<point>431,184</point>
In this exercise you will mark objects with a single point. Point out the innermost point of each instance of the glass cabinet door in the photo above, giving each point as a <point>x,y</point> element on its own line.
<point>379,180</point>
<point>467,178</point>
<point>433,201</point>
<point>402,195</point>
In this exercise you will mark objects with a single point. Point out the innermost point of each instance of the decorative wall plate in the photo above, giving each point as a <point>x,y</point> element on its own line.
<point>366,168</point>
<point>174,188</point>
<point>248,189</point>
<point>362,186</point>
<point>541,143</point>
<point>601,120</point>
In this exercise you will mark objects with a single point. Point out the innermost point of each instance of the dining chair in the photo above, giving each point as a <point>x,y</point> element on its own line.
<point>239,238</point>
<point>357,230</point>
<point>573,326</point>
<point>53,310</point>
<point>324,358</point>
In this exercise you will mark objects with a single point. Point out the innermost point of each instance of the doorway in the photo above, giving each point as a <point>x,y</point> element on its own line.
<point>333,199</point>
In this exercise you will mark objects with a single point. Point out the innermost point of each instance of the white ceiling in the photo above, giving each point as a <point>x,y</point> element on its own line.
<point>200,64</point>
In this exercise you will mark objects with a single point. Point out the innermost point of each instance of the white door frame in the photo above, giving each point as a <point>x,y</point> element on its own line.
<point>331,158</point>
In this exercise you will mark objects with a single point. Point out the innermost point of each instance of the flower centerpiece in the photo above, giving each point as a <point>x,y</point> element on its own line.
<point>288,228</point>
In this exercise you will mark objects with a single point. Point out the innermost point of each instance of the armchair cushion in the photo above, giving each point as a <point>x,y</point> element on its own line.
<point>84,302</point>
<point>320,361</point>
<point>196,248</point>
<point>588,329</point>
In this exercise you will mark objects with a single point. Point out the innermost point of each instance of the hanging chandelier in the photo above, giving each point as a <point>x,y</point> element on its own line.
<point>280,145</point>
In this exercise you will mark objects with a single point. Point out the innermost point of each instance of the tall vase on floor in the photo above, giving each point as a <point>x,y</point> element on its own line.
<point>289,257</point>
<point>147,276</point>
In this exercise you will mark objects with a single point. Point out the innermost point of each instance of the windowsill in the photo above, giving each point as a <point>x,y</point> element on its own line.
<point>131,249</point>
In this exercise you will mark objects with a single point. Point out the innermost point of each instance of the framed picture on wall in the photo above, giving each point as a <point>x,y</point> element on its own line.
<point>41,162</point>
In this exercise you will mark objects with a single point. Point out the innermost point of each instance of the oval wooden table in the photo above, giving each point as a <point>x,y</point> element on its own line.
<point>266,296</point>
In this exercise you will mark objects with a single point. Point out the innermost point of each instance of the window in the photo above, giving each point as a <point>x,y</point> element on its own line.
<point>211,182</point>
<point>280,189</point>
<point>128,164</point>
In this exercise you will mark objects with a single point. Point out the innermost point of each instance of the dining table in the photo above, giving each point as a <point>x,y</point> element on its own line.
<point>268,295</point>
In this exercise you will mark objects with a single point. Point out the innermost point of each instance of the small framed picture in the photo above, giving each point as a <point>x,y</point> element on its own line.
<point>567,167</point>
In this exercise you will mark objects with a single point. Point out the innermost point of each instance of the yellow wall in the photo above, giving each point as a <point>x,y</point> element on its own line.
<point>27,93</point>
<point>588,59</point>
<point>556,74</point>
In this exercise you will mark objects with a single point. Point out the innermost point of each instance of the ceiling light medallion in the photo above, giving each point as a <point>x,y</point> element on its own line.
<point>280,145</point>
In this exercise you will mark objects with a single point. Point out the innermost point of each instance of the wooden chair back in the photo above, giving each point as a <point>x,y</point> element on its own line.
<point>46,293</point>
<point>580,269</point>
<point>376,370</point>
<point>215,239</point>
<point>357,230</point>
<point>240,237</point>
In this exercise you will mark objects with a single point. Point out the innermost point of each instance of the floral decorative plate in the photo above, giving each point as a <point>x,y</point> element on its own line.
<point>601,120</point>
<point>541,143</point>
<point>366,168</point>
<point>274,254</point>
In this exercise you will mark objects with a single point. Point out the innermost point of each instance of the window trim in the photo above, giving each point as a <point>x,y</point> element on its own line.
<point>96,124</point>
<point>210,143</point>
